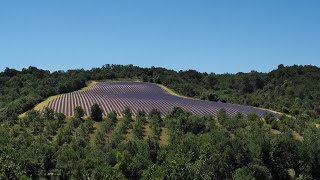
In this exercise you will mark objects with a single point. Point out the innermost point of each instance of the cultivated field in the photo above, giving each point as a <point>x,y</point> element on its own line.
<point>138,96</point>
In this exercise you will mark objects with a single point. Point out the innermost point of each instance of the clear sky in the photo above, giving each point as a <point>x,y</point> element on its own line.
<point>208,36</point>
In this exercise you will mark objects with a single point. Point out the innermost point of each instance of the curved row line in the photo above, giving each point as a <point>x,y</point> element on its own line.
<point>138,96</point>
<point>67,103</point>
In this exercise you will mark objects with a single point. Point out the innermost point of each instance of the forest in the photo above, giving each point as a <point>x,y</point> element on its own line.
<point>50,145</point>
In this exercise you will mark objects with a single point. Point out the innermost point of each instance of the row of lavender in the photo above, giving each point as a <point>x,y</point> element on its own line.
<point>138,96</point>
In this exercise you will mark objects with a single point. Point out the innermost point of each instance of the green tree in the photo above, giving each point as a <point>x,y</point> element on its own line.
<point>100,138</point>
<point>243,173</point>
<point>155,122</point>
<point>37,122</point>
<point>107,172</point>
<point>246,86</point>
<point>213,97</point>
<point>138,129</point>
<point>78,112</point>
<point>269,118</point>
<point>127,113</point>
<point>10,169</point>
<point>61,118</point>
<point>310,151</point>
<point>75,122</point>
<point>284,156</point>
<point>96,112</point>
<point>112,116</point>
<point>48,113</point>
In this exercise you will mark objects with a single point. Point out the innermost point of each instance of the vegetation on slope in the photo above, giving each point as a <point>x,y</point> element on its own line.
<point>47,146</point>
<point>241,147</point>
<point>292,90</point>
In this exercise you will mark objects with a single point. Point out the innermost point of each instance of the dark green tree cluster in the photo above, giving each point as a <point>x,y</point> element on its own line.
<point>156,122</point>
<point>96,112</point>
<point>238,147</point>
<point>223,148</point>
<point>122,128</point>
<point>138,129</point>
<point>46,145</point>
<point>106,127</point>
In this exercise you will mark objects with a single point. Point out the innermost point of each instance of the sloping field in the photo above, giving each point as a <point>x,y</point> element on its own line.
<point>138,95</point>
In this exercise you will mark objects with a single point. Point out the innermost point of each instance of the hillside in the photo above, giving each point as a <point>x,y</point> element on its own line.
<point>291,90</point>
<point>138,96</point>
<point>160,143</point>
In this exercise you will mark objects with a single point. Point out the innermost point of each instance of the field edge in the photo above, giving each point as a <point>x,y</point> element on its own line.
<point>90,83</point>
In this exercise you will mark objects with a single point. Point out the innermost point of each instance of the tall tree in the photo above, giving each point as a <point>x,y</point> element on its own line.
<point>78,112</point>
<point>127,113</point>
<point>96,112</point>
<point>49,113</point>
<point>112,116</point>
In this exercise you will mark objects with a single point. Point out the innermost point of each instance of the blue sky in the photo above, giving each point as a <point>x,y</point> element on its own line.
<point>208,36</point>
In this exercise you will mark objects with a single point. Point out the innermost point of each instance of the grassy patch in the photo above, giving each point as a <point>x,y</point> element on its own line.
<point>147,131</point>
<point>172,92</point>
<point>274,131</point>
<point>44,103</point>
<point>120,79</point>
<point>276,112</point>
<point>297,136</point>
<point>292,173</point>
<point>96,127</point>
<point>88,85</point>
<point>129,134</point>
<point>164,137</point>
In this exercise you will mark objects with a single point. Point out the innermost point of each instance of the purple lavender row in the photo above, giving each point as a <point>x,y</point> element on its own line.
<point>139,96</point>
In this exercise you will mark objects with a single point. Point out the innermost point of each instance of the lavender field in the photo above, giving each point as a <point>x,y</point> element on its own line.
<point>139,96</point>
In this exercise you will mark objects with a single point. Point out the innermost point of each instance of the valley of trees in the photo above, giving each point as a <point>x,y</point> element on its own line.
<point>180,145</point>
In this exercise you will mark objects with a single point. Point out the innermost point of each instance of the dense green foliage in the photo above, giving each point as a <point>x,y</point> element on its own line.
<point>22,90</point>
<point>238,147</point>
<point>96,112</point>
<point>293,90</point>
<point>49,145</point>
<point>138,125</point>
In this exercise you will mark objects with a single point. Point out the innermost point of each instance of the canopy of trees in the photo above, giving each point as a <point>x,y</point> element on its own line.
<point>239,147</point>
<point>49,145</point>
